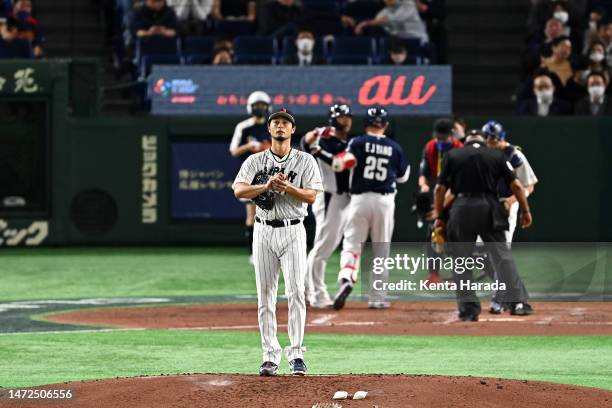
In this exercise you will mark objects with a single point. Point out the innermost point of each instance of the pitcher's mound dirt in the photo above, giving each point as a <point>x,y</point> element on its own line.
<point>401,391</point>
<point>408,318</point>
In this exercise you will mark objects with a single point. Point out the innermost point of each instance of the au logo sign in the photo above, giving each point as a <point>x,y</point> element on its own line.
<point>378,91</point>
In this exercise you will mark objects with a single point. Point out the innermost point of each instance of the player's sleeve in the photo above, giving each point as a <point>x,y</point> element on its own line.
<point>424,169</point>
<point>246,172</point>
<point>237,137</point>
<point>444,178</point>
<point>311,179</point>
<point>403,172</point>
<point>303,145</point>
<point>524,172</point>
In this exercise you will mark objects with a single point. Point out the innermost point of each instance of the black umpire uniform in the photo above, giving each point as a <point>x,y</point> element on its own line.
<point>472,173</point>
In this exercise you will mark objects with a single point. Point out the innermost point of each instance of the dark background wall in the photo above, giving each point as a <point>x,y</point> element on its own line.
<point>95,171</point>
<point>571,201</point>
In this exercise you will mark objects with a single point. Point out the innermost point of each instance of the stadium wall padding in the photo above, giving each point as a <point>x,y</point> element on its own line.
<point>571,157</point>
<point>571,202</point>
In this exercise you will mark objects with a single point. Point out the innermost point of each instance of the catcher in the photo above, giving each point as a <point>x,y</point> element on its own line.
<point>282,182</point>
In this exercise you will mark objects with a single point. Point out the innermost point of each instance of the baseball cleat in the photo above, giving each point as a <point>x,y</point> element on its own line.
<point>521,309</point>
<point>297,366</point>
<point>268,369</point>
<point>468,317</point>
<point>497,308</point>
<point>346,287</point>
<point>322,304</point>
<point>379,305</point>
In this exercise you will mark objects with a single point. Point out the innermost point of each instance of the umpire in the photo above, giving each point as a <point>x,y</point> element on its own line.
<point>472,173</point>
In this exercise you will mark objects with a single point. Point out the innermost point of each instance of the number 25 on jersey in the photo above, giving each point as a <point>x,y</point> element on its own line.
<point>375,168</point>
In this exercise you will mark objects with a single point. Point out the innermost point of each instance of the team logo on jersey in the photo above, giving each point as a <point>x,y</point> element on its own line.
<point>274,170</point>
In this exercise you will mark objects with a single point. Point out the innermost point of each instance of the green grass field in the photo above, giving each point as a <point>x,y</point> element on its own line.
<point>37,358</point>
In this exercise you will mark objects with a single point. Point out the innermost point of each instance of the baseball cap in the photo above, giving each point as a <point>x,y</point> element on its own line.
<point>443,127</point>
<point>282,113</point>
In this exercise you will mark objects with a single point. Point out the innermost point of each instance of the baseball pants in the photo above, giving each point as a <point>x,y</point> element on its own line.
<point>373,215</point>
<point>275,249</point>
<point>330,211</point>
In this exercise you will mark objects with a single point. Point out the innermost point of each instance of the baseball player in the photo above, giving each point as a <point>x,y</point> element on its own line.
<point>430,167</point>
<point>289,181</point>
<point>329,208</point>
<point>377,163</point>
<point>496,139</point>
<point>252,136</point>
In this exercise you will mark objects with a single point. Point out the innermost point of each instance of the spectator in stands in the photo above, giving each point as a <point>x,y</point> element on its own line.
<point>397,54</point>
<point>305,50</point>
<point>559,61</point>
<point>223,44</point>
<point>433,13</point>
<point>604,32</point>
<point>399,18</point>
<point>193,15</point>
<point>155,18</point>
<point>236,9</point>
<point>596,103</point>
<point>544,103</point>
<point>590,33</point>
<point>222,56</point>
<point>570,12</point>
<point>279,18</point>
<point>596,55</point>
<point>20,24</point>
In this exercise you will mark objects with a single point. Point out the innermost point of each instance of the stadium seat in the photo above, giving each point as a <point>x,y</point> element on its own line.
<point>16,49</point>
<point>234,28</point>
<point>157,46</point>
<point>352,50</point>
<point>198,50</point>
<point>255,50</point>
<point>147,61</point>
<point>363,9</point>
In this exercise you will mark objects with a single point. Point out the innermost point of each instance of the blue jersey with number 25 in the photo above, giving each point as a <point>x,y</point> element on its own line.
<point>380,164</point>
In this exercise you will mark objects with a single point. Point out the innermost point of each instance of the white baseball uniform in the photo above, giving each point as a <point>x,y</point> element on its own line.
<point>527,177</point>
<point>330,211</point>
<point>281,246</point>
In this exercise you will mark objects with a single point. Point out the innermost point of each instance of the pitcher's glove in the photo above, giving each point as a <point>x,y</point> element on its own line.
<point>265,201</point>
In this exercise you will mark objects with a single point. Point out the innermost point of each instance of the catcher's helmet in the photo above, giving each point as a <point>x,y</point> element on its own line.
<point>258,96</point>
<point>493,129</point>
<point>337,110</point>
<point>377,116</point>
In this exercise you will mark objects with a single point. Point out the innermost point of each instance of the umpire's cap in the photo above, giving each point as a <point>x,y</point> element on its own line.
<point>282,113</point>
<point>377,116</point>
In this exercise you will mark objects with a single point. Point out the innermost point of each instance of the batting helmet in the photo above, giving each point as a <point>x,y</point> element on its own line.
<point>259,96</point>
<point>377,116</point>
<point>337,110</point>
<point>494,130</point>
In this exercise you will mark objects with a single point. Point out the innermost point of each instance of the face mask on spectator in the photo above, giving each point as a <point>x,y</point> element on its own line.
<point>544,95</point>
<point>597,56</point>
<point>592,25</point>
<point>597,91</point>
<point>305,45</point>
<point>561,15</point>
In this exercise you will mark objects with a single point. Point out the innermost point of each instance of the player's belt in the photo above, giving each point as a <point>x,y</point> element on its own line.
<point>278,223</point>
<point>473,195</point>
